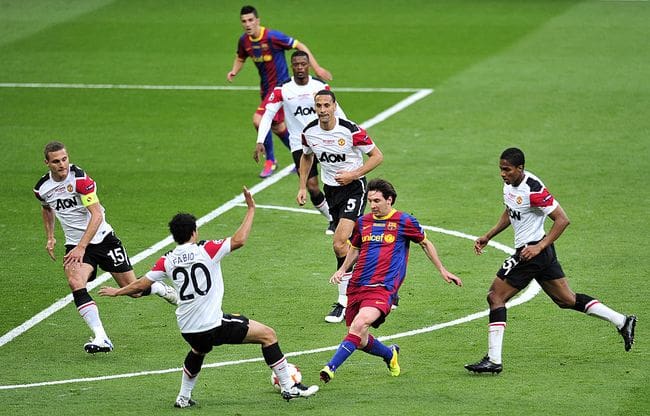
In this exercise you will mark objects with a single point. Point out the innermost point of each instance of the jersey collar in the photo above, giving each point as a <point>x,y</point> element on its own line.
<point>387,216</point>
<point>262,30</point>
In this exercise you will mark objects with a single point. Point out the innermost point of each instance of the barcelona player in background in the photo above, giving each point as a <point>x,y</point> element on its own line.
<point>379,249</point>
<point>266,49</point>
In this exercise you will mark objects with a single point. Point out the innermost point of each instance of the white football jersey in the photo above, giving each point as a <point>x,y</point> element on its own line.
<point>298,103</point>
<point>68,199</point>
<point>339,149</point>
<point>528,206</point>
<point>195,270</point>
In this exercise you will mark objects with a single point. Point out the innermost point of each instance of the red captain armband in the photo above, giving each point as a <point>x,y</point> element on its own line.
<point>541,199</point>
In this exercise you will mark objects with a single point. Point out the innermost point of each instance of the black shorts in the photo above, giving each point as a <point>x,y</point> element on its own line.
<point>347,201</point>
<point>233,330</point>
<point>296,161</point>
<point>542,267</point>
<point>110,255</point>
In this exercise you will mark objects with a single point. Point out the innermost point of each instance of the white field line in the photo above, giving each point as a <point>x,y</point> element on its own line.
<point>525,296</point>
<point>178,87</point>
<point>101,279</point>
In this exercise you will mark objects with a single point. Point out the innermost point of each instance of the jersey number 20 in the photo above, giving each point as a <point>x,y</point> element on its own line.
<point>191,277</point>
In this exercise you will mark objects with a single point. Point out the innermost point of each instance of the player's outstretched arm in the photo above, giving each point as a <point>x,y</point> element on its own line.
<point>241,235</point>
<point>135,287</point>
<point>432,254</point>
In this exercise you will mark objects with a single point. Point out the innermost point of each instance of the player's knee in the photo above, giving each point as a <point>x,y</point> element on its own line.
<point>312,186</point>
<point>76,281</point>
<point>268,336</point>
<point>358,328</point>
<point>494,299</point>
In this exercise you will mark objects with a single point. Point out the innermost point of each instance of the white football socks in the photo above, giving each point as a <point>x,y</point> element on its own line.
<point>281,370</point>
<point>187,384</point>
<point>597,309</point>
<point>325,210</point>
<point>495,340</point>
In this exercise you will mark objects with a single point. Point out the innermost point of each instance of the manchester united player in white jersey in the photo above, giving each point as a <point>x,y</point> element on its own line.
<point>296,98</point>
<point>195,268</point>
<point>68,194</point>
<point>338,145</point>
<point>527,204</point>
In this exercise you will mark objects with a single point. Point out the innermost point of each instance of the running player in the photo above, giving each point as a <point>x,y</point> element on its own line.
<point>379,253</point>
<point>527,204</point>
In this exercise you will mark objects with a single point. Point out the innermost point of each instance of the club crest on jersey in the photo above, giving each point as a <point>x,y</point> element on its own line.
<point>391,226</point>
<point>341,142</point>
<point>69,188</point>
<point>519,200</point>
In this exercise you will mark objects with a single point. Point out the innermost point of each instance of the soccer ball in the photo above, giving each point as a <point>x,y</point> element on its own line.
<point>294,372</point>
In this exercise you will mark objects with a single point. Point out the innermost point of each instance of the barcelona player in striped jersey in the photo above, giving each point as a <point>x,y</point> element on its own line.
<point>266,49</point>
<point>379,250</point>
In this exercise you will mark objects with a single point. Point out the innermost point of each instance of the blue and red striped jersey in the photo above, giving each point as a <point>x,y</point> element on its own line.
<point>383,244</point>
<point>267,52</point>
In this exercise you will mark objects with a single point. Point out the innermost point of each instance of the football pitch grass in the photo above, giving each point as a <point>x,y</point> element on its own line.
<point>565,81</point>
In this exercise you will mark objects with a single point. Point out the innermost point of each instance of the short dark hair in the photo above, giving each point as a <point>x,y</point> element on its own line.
<point>386,188</point>
<point>326,92</point>
<point>182,226</point>
<point>52,146</point>
<point>298,52</point>
<point>248,10</point>
<point>514,156</point>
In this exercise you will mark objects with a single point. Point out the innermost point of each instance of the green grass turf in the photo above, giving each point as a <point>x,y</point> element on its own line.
<point>565,81</point>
